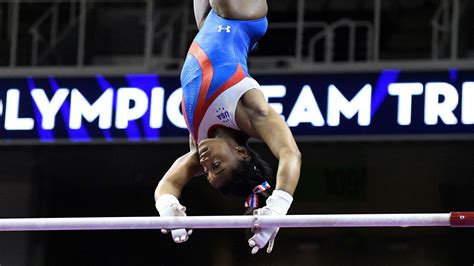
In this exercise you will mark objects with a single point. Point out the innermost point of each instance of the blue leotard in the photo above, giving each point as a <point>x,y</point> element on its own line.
<point>215,73</point>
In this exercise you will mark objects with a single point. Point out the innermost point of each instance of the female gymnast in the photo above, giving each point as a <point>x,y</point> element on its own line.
<point>223,107</point>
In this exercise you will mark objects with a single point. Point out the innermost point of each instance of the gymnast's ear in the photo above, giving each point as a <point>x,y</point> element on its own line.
<point>243,152</point>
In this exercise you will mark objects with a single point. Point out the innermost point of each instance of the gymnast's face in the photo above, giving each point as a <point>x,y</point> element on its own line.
<point>219,158</point>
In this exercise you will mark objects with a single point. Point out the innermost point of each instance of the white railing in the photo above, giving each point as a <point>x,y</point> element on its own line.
<point>270,61</point>
<point>445,30</point>
<point>328,35</point>
<point>55,34</point>
<point>51,29</point>
<point>440,29</point>
<point>166,34</point>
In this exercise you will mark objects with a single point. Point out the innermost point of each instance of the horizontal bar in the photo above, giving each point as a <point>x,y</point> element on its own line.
<point>127,223</point>
<point>462,219</point>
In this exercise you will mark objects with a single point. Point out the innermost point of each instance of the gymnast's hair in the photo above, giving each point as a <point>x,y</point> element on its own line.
<point>247,175</point>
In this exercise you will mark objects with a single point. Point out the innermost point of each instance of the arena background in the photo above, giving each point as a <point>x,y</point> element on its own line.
<point>392,165</point>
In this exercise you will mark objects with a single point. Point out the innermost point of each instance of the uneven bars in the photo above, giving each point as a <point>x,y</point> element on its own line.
<point>453,219</point>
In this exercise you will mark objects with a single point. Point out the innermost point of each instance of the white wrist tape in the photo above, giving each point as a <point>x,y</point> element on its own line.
<point>280,202</point>
<point>164,202</point>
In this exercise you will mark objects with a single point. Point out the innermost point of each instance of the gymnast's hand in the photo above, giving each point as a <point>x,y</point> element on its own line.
<point>168,205</point>
<point>277,204</point>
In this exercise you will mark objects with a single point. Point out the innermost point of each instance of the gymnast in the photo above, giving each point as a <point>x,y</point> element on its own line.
<point>224,107</point>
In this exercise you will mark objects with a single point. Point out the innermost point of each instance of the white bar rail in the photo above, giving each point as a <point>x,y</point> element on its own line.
<point>455,219</point>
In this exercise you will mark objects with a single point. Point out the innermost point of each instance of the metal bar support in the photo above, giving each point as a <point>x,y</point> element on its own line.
<point>54,24</point>
<point>149,36</point>
<point>14,32</point>
<point>72,11</point>
<point>82,33</point>
<point>329,45</point>
<point>455,29</point>
<point>352,42</point>
<point>434,39</point>
<point>377,14</point>
<point>299,30</point>
<point>34,48</point>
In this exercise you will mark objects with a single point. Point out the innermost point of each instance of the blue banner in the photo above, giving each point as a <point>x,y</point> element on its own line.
<point>146,107</point>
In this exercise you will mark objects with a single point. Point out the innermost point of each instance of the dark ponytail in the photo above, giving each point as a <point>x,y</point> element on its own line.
<point>261,172</point>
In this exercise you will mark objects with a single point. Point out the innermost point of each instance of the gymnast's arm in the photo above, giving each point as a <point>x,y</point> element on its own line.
<point>255,117</point>
<point>180,173</point>
<point>201,9</point>
<point>261,121</point>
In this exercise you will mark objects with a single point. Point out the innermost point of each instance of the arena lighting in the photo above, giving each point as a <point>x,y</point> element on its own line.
<point>453,219</point>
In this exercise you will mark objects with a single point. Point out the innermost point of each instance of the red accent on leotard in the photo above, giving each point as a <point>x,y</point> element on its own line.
<point>236,77</point>
<point>207,73</point>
